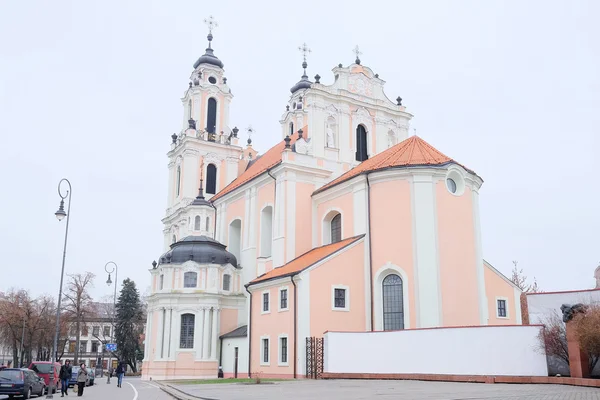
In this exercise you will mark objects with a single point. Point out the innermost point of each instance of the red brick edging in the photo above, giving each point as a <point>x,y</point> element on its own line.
<point>470,378</point>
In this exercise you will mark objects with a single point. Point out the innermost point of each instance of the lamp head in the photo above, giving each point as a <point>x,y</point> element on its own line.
<point>108,281</point>
<point>60,214</point>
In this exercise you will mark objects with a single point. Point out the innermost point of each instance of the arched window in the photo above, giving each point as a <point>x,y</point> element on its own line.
<point>227,282</point>
<point>197,223</point>
<point>392,139</point>
<point>235,239</point>
<point>361,143</point>
<point>190,279</point>
<point>266,231</point>
<point>291,128</point>
<point>211,179</point>
<point>336,228</point>
<point>178,183</point>
<point>190,109</point>
<point>207,224</point>
<point>186,337</point>
<point>211,118</point>
<point>393,303</point>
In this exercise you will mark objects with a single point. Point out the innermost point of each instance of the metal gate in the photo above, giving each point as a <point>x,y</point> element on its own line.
<point>314,357</point>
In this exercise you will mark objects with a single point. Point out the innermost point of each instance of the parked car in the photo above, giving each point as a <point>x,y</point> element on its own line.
<point>21,382</point>
<point>91,376</point>
<point>42,368</point>
<point>73,380</point>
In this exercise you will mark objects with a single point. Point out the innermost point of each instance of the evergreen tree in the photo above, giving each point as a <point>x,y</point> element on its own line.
<point>129,324</point>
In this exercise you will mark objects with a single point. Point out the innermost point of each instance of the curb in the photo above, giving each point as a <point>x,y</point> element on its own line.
<point>178,394</point>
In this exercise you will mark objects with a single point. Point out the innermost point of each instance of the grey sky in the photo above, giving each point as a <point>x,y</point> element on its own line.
<point>90,91</point>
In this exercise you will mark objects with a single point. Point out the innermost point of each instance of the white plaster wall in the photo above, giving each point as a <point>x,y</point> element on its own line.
<point>502,350</point>
<point>542,305</point>
<point>228,356</point>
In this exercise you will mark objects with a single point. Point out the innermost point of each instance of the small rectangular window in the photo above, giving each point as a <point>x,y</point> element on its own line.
<point>283,299</point>
<point>107,331</point>
<point>96,331</point>
<point>284,351</point>
<point>83,346</point>
<point>94,347</point>
<point>265,302</point>
<point>340,298</point>
<point>226,282</point>
<point>84,330</point>
<point>502,308</point>
<point>190,280</point>
<point>265,348</point>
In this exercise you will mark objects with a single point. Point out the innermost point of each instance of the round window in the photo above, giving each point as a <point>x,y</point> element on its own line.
<point>212,80</point>
<point>451,185</point>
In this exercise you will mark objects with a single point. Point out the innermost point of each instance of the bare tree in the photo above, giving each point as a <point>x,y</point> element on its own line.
<point>553,338</point>
<point>520,280</point>
<point>78,303</point>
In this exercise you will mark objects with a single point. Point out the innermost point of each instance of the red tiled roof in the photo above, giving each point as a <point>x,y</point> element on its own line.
<point>413,151</point>
<point>304,261</point>
<point>265,162</point>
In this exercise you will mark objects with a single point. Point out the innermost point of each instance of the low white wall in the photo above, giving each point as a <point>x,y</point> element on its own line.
<point>228,356</point>
<point>489,350</point>
<point>542,305</point>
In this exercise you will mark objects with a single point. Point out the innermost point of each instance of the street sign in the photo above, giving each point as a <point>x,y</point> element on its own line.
<point>111,347</point>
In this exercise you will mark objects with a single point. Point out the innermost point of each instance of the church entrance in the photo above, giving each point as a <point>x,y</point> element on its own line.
<point>314,357</point>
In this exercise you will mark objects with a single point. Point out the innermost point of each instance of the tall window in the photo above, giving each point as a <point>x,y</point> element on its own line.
<point>235,238</point>
<point>190,109</point>
<point>291,128</point>
<point>265,351</point>
<point>186,338</point>
<point>361,143</point>
<point>174,239</point>
<point>96,331</point>
<point>336,228</point>
<point>84,330</point>
<point>502,308</point>
<point>161,282</point>
<point>227,282</point>
<point>94,347</point>
<point>190,279</point>
<point>207,223</point>
<point>178,183</point>
<point>393,303</point>
<point>211,119</point>
<point>266,302</point>
<point>266,231</point>
<point>283,299</point>
<point>283,346</point>
<point>106,331</point>
<point>211,179</point>
<point>197,223</point>
<point>83,346</point>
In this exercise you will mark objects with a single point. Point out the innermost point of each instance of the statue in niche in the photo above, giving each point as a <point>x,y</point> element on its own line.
<point>330,136</point>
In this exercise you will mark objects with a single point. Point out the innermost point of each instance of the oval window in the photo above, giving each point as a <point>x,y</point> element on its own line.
<point>212,80</point>
<point>451,185</point>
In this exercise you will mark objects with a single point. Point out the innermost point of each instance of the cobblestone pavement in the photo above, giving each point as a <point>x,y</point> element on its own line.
<point>383,390</point>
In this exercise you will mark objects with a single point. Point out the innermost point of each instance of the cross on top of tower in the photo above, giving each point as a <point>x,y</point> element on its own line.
<point>250,132</point>
<point>357,51</point>
<point>304,50</point>
<point>211,23</point>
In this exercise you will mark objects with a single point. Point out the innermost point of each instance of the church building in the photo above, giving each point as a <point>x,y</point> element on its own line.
<point>348,223</point>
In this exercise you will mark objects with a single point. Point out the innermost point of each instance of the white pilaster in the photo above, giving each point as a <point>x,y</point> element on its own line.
<point>482,297</point>
<point>206,334</point>
<point>303,287</point>
<point>215,333</point>
<point>148,338</point>
<point>278,233</point>
<point>426,251</point>
<point>290,237</point>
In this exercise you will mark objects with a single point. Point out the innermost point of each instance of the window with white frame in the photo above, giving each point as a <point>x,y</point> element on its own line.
<point>283,299</point>
<point>266,231</point>
<point>186,335</point>
<point>197,223</point>
<point>161,282</point>
<point>502,312</point>
<point>340,300</point>
<point>283,350</point>
<point>266,302</point>
<point>264,351</point>
<point>332,227</point>
<point>227,282</point>
<point>207,223</point>
<point>190,279</point>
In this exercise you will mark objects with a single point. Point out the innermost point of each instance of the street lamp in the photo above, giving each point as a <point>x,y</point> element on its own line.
<point>112,333</point>
<point>60,214</point>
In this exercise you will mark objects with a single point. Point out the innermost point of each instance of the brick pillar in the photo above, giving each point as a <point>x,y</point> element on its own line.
<point>578,360</point>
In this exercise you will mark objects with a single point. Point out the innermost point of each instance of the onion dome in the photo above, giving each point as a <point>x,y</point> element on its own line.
<point>303,83</point>
<point>209,57</point>
<point>201,249</point>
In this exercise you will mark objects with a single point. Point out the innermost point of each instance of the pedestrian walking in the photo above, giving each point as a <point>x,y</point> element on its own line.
<point>65,374</point>
<point>120,372</point>
<point>82,376</point>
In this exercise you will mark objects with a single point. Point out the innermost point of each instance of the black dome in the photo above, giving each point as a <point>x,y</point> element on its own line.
<point>200,249</point>
<point>303,83</point>
<point>209,57</point>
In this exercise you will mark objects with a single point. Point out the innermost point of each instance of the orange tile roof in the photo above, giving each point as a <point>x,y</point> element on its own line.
<point>304,261</point>
<point>265,162</point>
<point>413,151</point>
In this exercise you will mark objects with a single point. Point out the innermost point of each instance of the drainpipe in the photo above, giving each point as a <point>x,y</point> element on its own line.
<point>370,250</point>
<point>215,223</point>
<point>249,332</point>
<point>295,322</point>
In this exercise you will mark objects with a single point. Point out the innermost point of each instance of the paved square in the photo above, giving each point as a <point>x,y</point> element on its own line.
<point>384,389</point>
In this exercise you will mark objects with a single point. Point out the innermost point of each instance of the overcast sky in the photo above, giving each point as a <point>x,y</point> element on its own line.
<point>91,91</point>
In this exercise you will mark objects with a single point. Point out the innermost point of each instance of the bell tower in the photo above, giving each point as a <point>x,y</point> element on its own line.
<point>205,153</point>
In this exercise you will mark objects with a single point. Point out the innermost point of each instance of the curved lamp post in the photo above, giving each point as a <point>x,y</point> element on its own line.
<point>60,214</point>
<point>112,332</point>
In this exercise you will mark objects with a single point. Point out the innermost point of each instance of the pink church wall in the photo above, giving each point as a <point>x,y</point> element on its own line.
<point>495,287</point>
<point>272,324</point>
<point>456,244</point>
<point>229,320</point>
<point>233,211</point>
<point>391,231</point>
<point>344,204</point>
<point>303,217</point>
<point>345,269</point>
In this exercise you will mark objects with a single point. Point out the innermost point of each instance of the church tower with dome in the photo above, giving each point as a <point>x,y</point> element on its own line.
<point>347,223</point>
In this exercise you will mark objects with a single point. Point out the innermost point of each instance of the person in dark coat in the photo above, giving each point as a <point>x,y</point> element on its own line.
<point>82,376</point>
<point>65,374</point>
<point>120,372</point>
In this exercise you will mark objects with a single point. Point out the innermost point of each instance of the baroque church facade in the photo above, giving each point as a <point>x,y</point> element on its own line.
<point>346,224</point>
